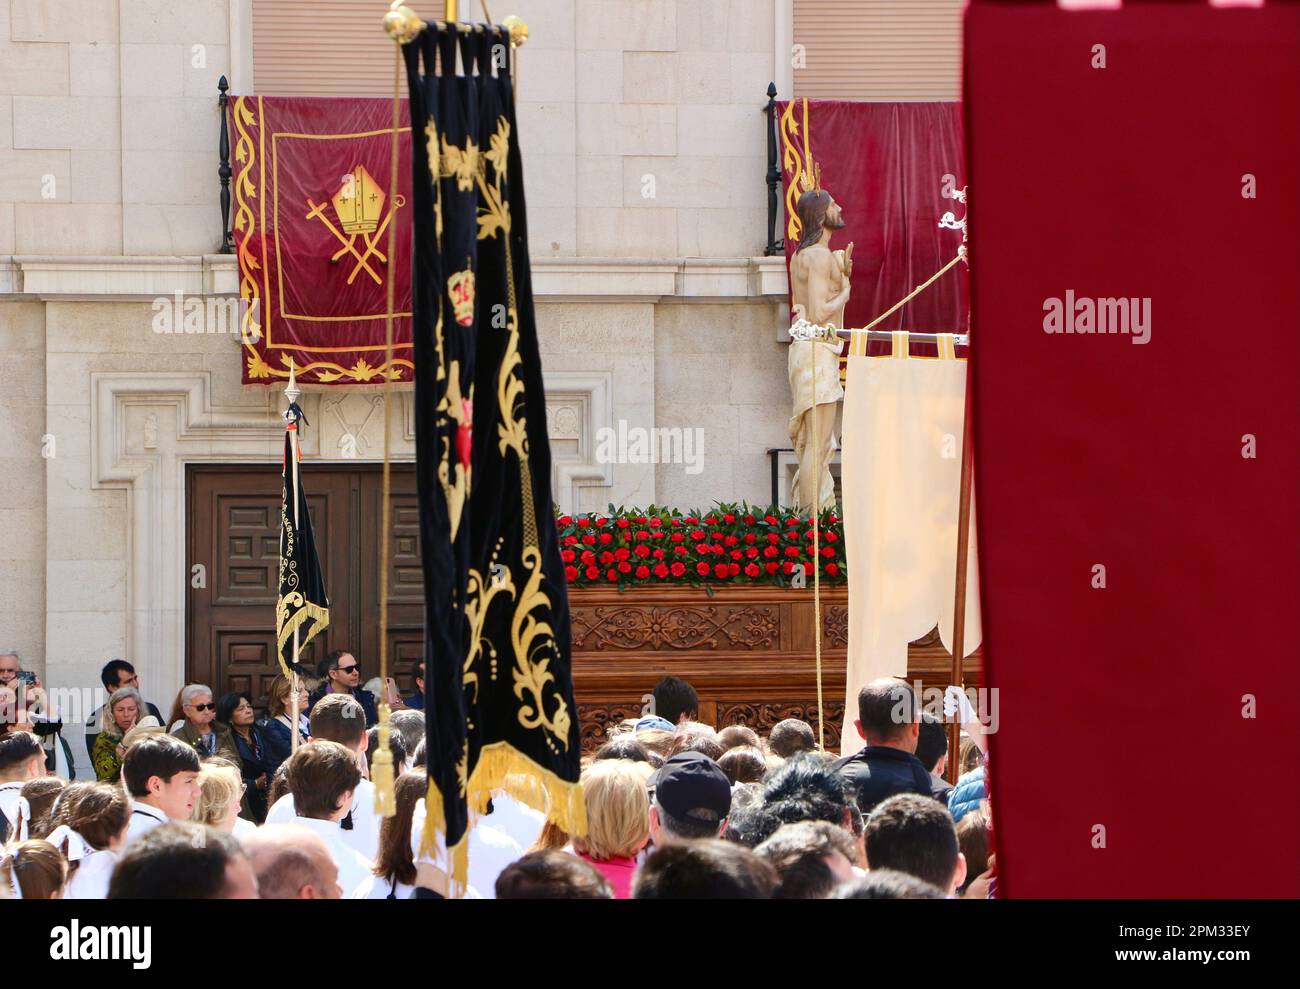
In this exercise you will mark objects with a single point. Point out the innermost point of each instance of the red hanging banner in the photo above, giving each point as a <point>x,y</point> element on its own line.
<point>894,168</point>
<point>1134,363</point>
<point>311,222</point>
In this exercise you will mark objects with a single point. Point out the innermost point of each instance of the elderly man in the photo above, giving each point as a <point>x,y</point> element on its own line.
<point>24,706</point>
<point>292,863</point>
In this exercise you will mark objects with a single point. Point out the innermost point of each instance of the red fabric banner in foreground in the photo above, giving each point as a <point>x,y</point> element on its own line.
<point>312,208</point>
<point>893,168</point>
<point>1139,494</point>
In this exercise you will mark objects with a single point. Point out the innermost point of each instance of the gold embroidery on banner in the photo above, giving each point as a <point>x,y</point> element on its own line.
<point>464,163</point>
<point>532,671</point>
<point>359,206</point>
<point>293,610</point>
<point>532,639</point>
<point>805,173</point>
<point>246,224</point>
<point>496,213</point>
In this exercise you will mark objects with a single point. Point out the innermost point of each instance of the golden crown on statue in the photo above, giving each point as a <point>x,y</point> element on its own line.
<point>359,202</point>
<point>810,179</point>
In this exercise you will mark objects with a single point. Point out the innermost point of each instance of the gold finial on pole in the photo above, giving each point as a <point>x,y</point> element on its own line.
<point>401,23</point>
<point>451,11</point>
<point>518,30</point>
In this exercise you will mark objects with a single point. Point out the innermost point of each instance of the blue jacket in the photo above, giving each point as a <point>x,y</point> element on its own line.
<point>967,794</point>
<point>278,742</point>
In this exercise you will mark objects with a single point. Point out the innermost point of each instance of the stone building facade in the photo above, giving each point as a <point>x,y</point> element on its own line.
<point>654,311</point>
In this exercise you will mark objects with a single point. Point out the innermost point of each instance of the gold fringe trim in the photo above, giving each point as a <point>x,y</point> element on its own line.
<point>500,767</point>
<point>284,633</point>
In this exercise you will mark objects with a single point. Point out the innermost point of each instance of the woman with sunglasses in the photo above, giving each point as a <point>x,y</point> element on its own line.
<point>198,726</point>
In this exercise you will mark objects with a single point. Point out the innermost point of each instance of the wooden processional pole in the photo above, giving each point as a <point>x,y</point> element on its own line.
<point>291,393</point>
<point>963,553</point>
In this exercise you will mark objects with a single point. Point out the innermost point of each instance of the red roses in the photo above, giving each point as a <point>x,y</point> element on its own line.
<point>729,545</point>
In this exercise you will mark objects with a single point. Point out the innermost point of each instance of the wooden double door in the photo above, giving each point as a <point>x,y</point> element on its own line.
<point>234,536</point>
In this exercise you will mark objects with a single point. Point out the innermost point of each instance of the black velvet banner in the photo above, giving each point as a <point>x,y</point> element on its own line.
<point>499,695</point>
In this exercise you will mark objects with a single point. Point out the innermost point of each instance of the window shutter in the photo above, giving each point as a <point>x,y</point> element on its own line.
<point>902,50</point>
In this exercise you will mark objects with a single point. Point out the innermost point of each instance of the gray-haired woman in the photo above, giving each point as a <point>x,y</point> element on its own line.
<point>123,710</point>
<point>199,726</point>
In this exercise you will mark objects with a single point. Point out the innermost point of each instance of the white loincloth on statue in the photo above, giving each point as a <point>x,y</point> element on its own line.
<point>899,478</point>
<point>800,368</point>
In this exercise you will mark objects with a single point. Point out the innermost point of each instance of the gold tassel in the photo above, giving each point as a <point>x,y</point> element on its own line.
<point>500,767</point>
<point>381,769</point>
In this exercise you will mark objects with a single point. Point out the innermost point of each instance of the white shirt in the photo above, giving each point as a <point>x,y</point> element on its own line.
<point>354,868</point>
<point>364,836</point>
<point>379,887</point>
<point>515,819</point>
<point>15,808</point>
<point>90,881</point>
<point>490,851</point>
<point>243,828</point>
<point>144,819</point>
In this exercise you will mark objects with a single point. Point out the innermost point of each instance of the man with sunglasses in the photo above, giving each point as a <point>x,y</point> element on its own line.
<point>340,673</point>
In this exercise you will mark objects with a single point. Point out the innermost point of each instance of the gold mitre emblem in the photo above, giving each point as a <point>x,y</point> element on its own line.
<point>460,287</point>
<point>359,203</point>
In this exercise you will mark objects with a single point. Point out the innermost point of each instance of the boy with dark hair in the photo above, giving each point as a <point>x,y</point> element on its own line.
<point>675,700</point>
<point>552,875</point>
<point>339,718</point>
<point>913,834</point>
<point>790,737</point>
<point>704,870</point>
<point>323,778</point>
<point>183,861</point>
<point>22,759</point>
<point>161,775</point>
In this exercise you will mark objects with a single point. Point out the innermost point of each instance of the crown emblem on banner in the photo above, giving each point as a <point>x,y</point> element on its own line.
<point>460,287</point>
<point>359,203</point>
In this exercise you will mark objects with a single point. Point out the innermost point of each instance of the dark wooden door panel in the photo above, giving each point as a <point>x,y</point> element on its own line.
<point>234,533</point>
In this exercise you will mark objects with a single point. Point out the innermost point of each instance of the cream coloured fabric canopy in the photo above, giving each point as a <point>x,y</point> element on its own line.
<point>900,475</point>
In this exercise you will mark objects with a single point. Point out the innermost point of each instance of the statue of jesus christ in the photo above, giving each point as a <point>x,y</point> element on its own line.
<point>819,288</point>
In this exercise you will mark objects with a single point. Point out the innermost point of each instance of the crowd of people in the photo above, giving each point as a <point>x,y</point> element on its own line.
<point>218,803</point>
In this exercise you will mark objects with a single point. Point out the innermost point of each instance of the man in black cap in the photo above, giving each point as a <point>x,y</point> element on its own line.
<point>692,798</point>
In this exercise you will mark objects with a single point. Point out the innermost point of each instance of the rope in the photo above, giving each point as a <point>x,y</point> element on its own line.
<point>817,559</point>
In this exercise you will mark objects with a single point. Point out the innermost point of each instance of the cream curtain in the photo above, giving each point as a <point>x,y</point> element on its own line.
<point>900,474</point>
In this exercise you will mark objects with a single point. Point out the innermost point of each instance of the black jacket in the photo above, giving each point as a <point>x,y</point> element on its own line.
<point>363,697</point>
<point>878,771</point>
<point>256,760</point>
